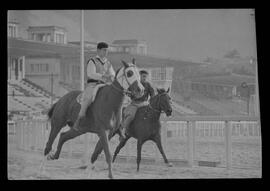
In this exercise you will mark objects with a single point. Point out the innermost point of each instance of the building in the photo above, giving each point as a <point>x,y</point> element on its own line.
<point>13,29</point>
<point>45,58</point>
<point>132,46</point>
<point>53,34</point>
<point>223,86</point>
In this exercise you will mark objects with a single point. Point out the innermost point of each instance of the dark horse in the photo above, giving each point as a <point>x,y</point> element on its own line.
<point>102,115</point>
<point>145,126</point>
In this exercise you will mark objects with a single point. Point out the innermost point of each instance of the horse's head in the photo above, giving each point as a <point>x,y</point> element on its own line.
<point>163,101</point>
<point>129,78</point>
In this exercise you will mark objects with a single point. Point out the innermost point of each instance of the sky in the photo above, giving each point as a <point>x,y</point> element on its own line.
<point>186,34</point>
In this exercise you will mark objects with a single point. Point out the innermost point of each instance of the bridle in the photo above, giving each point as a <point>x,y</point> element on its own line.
<point>124,91</point>
<point>158,102</point>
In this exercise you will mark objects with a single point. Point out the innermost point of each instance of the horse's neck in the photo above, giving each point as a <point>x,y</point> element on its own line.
<point>117,94</point>
<point>152,110</point>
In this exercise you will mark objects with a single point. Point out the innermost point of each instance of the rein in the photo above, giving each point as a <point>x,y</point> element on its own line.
<point>156,110</point>
<point>123,91</point>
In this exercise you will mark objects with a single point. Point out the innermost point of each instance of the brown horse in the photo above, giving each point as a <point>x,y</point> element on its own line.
<point>102,115</point>
<point>145,126</point>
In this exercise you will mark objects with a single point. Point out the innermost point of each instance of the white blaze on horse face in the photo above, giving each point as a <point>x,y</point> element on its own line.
<point>127,80</point>
<point>135,78</point>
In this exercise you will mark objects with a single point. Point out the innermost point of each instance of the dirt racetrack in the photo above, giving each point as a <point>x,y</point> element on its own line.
<point>25,166</point>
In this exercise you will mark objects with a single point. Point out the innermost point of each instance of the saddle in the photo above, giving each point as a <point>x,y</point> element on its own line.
<point>97,87</point>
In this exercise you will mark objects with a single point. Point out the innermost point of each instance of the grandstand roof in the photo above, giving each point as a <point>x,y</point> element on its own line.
<point>145,60</point>
<point>46,27</point>
<point>231,80</point>
<point>22,47</point>
<point>128,41</point>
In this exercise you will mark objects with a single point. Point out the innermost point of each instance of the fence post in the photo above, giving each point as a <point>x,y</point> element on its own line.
<point>18,134</point>
<point>228,142</point>
<point>191,142</point>
<point>23,135</point>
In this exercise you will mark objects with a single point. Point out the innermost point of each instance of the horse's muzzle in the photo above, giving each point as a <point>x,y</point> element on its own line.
<point>168,112</point>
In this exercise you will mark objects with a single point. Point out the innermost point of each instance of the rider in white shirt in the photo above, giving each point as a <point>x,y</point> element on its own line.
<point>99,70</point>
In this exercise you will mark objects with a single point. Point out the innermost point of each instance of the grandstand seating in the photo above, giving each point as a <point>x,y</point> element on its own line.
<point>192,105</point>
<point>37,88</point>
<point>181,109</point>
<point>26,98</point>
<point>222,107</point>
<point>14,105</point>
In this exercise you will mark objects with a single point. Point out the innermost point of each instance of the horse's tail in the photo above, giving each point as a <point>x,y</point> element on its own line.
<point>50,112</point>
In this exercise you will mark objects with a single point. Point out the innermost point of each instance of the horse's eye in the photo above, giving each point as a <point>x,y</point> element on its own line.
<point>129,74</point>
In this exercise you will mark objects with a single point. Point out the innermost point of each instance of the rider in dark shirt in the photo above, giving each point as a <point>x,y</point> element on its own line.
<point>132,108</point>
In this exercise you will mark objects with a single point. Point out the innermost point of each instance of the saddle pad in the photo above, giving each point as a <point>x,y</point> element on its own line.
<point>80,97</point>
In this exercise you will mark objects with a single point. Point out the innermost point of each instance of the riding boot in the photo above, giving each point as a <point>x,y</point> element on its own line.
<point>124,126</point>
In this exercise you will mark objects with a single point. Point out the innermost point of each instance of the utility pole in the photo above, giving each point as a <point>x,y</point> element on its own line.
<point>82,50</point>
<point>51,89</point>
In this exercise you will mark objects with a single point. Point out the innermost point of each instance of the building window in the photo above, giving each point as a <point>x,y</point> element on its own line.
<point>59,38</point>
<point>12,31</point>
<point>39,68</point>
<point>127,49</point>
<point>159,74</point>
<point>141,50</point>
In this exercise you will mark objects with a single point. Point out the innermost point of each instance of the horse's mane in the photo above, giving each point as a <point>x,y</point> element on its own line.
<point>161,90</point>
<point>117,73</point>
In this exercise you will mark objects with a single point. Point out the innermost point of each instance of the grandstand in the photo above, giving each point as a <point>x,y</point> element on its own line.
<point>25,96</point>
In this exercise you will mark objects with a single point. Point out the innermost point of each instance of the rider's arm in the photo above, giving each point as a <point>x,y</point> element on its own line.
<point>109,75</point>
<point>91,71</point>
<point>111,71</point>
<point>151,90</point>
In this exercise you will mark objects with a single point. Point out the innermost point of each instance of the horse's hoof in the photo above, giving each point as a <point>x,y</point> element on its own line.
<point>50,157</point>
<point>169,164</point>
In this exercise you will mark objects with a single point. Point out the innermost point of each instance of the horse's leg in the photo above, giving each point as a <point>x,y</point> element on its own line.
<point>53,133</point>
<point>139,149</point>
<point>65,136</point>
<point>99,148</point>
<point>97,151</point>
<point>104,141</point>
<point>157,140</point>
<point>119,147</point>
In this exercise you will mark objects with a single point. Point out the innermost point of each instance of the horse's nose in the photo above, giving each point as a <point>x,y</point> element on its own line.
<point>169,112</point>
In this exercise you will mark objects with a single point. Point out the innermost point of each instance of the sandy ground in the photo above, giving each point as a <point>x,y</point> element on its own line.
<point>25,166</point>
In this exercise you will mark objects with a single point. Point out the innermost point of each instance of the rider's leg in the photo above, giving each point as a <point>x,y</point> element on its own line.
<point>87,100</point>
<point>129,116</point>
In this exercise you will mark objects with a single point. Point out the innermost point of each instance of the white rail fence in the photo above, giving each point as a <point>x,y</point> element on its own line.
<point>32,135</point>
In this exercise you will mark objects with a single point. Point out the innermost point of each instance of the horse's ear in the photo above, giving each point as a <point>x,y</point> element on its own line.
<point>168,90</point>
<point>158,91</point>
<point>125,64</point>
<point>133,61</point>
